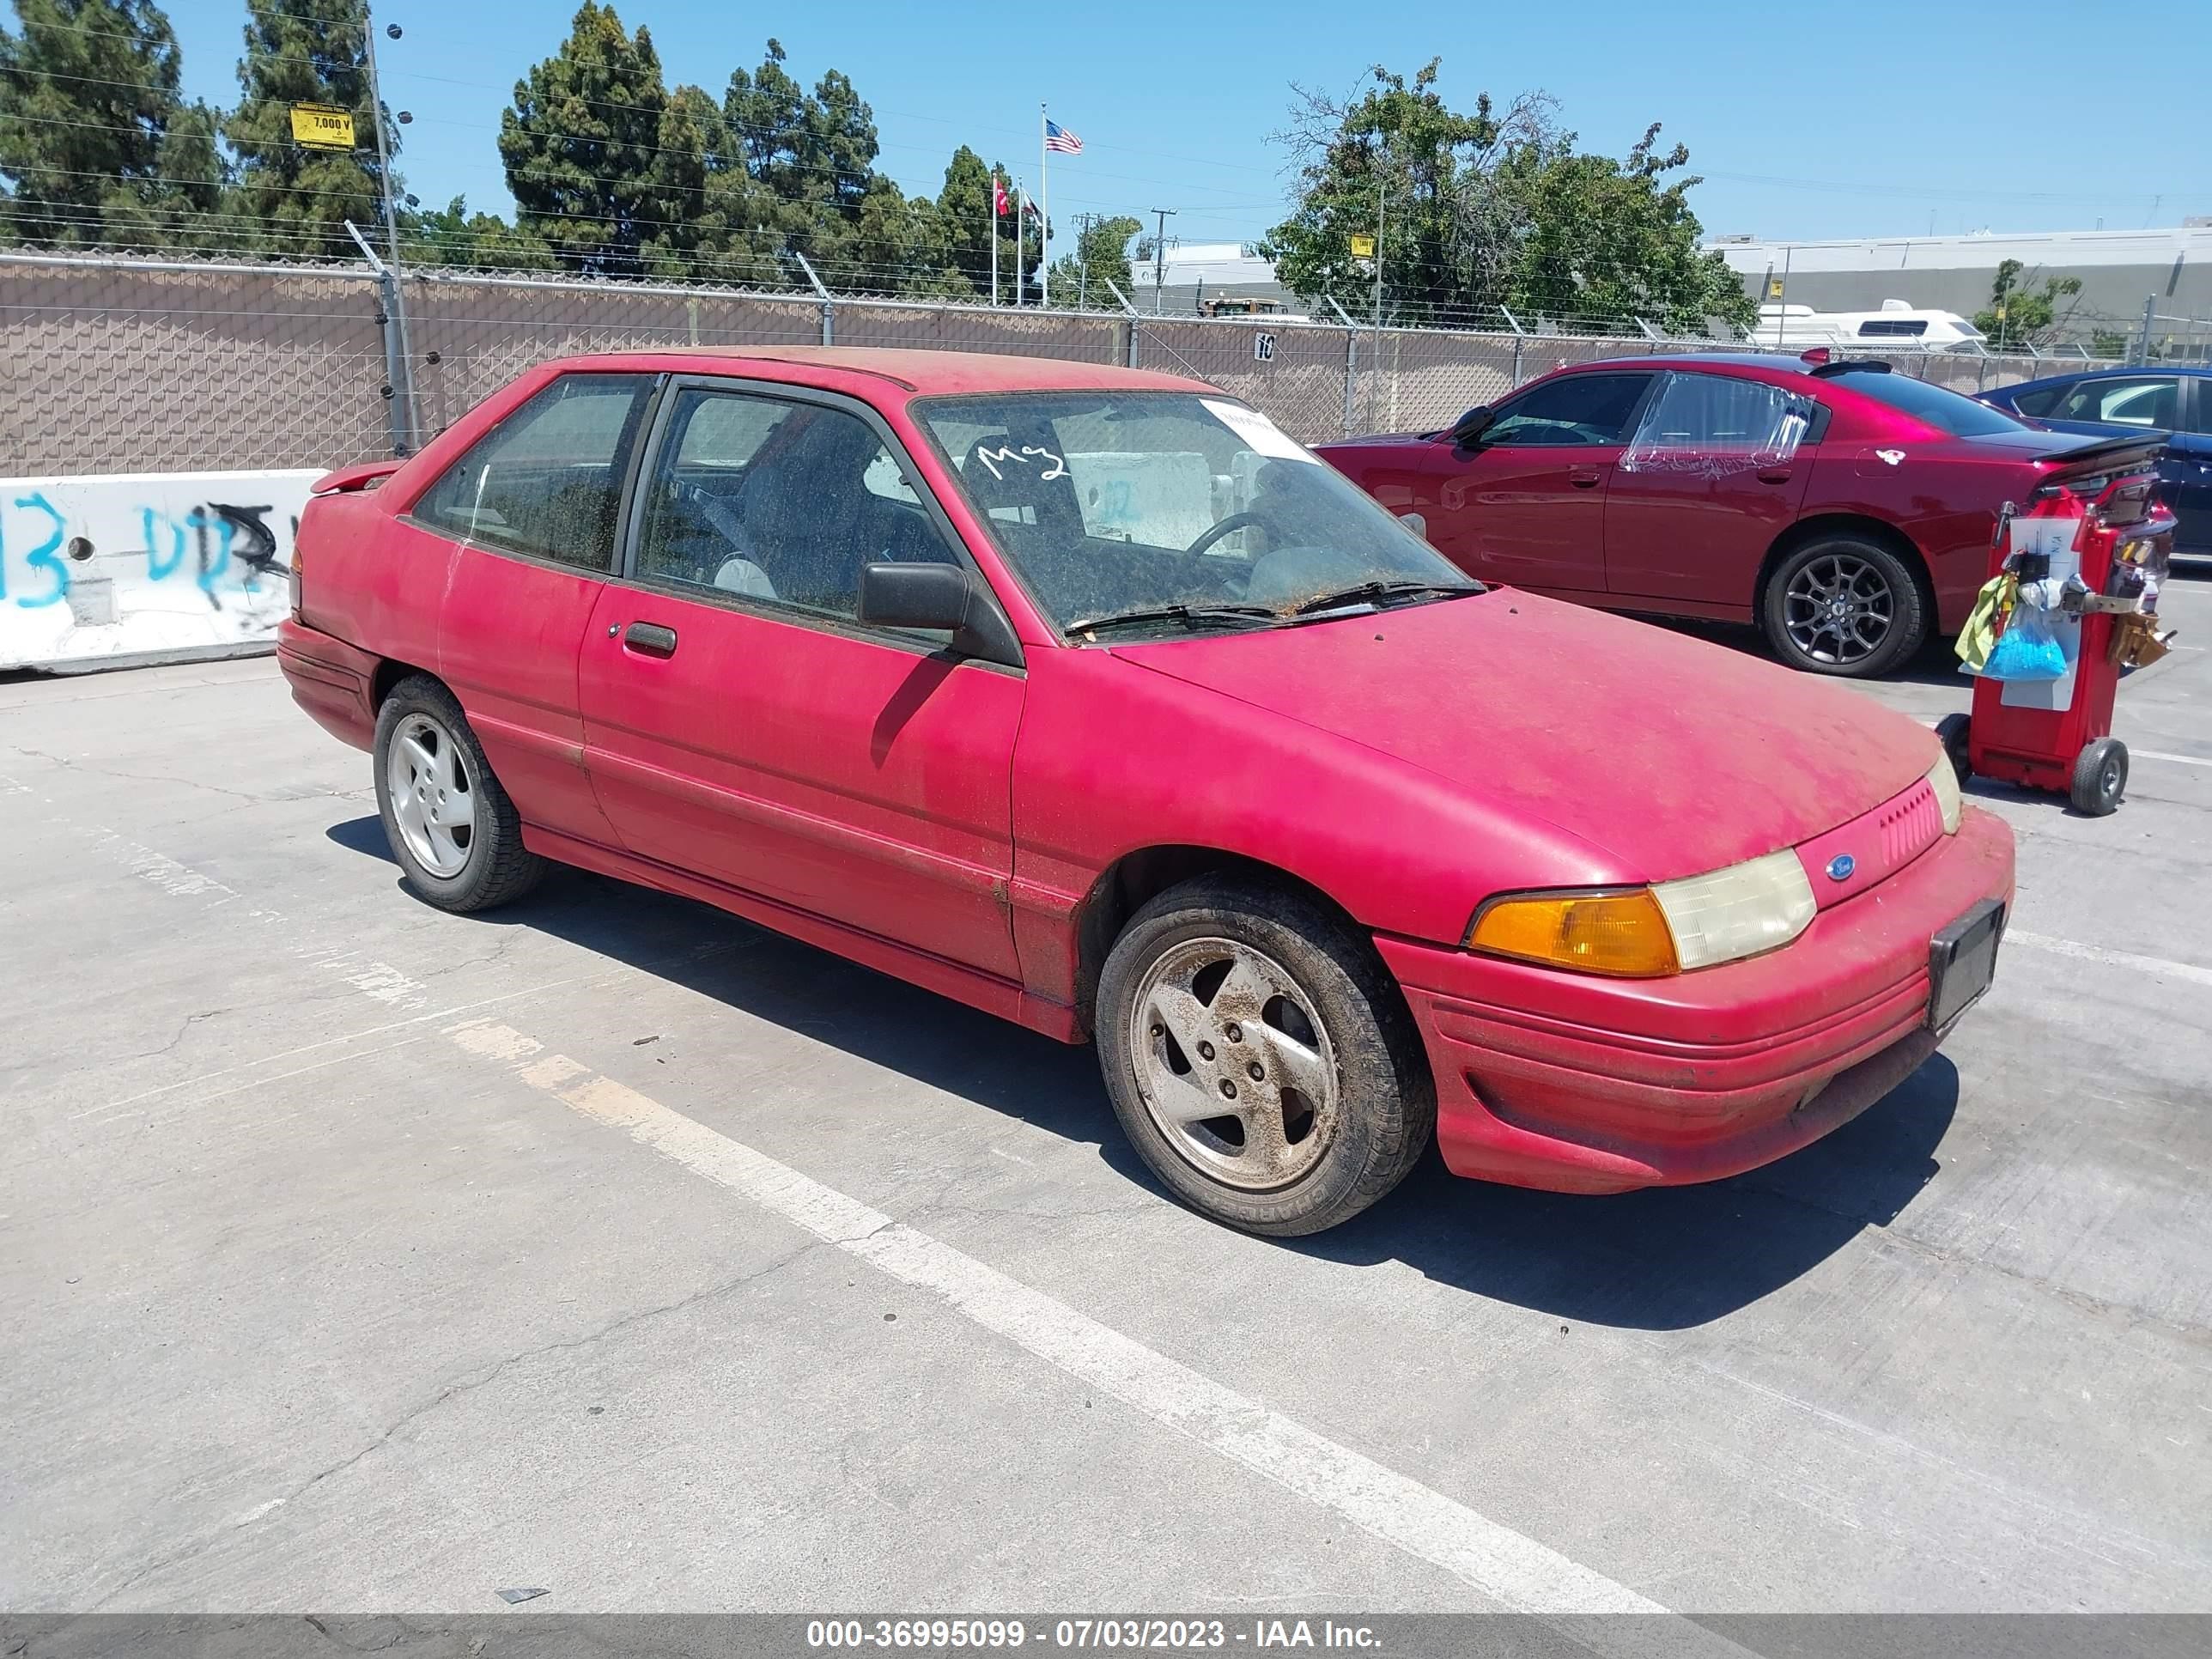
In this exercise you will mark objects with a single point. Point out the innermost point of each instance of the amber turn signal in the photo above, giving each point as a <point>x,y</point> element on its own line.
<point>1624,934</point>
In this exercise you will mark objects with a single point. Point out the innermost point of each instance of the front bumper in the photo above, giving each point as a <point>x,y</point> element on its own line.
<point>1573,1083</point>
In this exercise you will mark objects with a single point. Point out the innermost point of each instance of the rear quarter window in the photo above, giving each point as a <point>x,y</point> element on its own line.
<point>547,480</point>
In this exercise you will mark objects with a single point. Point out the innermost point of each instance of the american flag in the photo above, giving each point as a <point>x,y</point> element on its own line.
<point>1058,137</point>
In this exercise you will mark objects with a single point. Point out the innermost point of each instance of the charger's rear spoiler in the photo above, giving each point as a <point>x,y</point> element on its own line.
<point>2115,456</point>
<point>366,476</point>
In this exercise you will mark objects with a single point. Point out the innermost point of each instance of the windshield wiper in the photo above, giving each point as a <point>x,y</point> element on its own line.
<point>1374,593</point>
<point>1187,614</point>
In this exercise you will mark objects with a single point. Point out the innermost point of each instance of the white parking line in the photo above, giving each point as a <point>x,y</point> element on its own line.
<point>2153,966</point>
<point>2135,753</point>
<point>1512,1569</point>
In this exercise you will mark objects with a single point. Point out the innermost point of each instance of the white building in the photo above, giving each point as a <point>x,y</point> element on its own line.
<point>2120,270</point>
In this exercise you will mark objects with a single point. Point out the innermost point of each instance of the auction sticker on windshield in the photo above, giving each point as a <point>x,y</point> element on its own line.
<point>1260,436</point>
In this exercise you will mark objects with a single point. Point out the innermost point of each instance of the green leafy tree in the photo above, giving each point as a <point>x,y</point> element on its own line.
<point>2019,316</point>
<point>1101,256</point>
<point>298,199</point>
<point>582,149</point>
<point>451,235</point>
<point>96,145</point>
<point>1492,207</point>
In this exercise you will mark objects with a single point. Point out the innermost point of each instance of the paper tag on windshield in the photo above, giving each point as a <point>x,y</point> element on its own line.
<point>1260,436</point>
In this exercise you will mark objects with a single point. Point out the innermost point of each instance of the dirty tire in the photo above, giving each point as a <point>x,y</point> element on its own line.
<point>495,867</point>
<point>1952,732</point>
<point>1860,570</point>
<point>2101,778</point>
<point>1349,1030</point>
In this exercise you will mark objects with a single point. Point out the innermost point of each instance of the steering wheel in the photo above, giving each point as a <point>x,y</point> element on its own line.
<point>1214,533</point>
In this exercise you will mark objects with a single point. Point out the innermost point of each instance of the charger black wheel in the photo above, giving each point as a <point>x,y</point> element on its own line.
<point>452,827</point>
<point>1260,1058</point>
<point>1952,732</point>
<point>2101,778</point>
<point>1843,605</point>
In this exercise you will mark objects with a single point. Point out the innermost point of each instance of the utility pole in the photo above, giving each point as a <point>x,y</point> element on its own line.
<point>404,387</point>
<point>1160,255</point>
<point>991,208</point>
<point>1382,190</point>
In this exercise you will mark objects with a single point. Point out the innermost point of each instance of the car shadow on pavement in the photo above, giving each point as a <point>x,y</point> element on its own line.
<point>1664,1259</point>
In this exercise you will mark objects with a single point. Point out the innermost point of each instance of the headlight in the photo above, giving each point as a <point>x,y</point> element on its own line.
<point>1646,932</point>
<point>1943,779</point>
<point>1738,911</point>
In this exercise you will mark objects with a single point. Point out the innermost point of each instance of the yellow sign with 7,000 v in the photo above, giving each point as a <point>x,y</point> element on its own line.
<point>322,126</point>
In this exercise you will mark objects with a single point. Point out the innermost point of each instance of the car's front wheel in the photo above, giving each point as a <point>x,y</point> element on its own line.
<point>451,826</point>
<point>1843,605</point>
<point>1260,1058</point>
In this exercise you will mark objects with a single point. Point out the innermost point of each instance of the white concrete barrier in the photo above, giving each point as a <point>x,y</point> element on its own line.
<point>152,567</point>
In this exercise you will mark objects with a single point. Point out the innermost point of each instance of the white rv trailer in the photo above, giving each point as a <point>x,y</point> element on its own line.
<point>1898,326</point>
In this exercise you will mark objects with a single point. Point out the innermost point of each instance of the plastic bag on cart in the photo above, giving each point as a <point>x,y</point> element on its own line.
<point>1985,623</point>
<point>2028,649</point>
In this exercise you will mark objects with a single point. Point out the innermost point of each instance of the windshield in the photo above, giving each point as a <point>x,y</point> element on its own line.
<point>1110,503</point>
<point>1947,411</point>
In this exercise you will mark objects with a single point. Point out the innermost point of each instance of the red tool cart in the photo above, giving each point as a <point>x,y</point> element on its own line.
<point>2087,558</point>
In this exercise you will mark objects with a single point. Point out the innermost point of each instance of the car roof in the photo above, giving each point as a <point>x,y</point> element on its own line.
<point>925,373</point>
<point>1774,361</point>
<point>2130,371</point>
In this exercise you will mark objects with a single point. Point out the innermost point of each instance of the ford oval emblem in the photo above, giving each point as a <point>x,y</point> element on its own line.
<point>1841,866</point>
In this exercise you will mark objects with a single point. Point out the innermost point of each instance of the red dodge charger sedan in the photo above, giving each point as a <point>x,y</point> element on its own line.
<point>1087,697</point>
<point>1846,509</point>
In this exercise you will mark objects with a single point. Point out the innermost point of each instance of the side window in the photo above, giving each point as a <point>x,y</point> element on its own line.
<point>2148,401</point>
<point>1714,424</point>
<point>2038,403</point>
<point>548,480</point>
<point>1580,410</point>
<point>777,500</point>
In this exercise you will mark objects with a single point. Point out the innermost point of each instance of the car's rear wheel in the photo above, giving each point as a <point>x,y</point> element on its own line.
<point>452,827</point>
<point>1843,605</point>
<point>1260,1058</point>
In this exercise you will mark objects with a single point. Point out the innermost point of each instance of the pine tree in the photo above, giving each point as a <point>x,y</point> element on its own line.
<point>305,52</point>
<point>582,147</point>
<point>965,212</point>
<point>95,143</point>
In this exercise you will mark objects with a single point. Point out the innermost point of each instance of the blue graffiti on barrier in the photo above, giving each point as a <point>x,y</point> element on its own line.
<point>41,557</point>
<point>220,534</point>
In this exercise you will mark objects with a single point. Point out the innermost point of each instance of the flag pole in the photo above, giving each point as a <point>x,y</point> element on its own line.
<point>991,211</point>
<point>1044,214</point>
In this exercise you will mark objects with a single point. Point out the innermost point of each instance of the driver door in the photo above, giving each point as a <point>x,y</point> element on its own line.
<point>742,724</point>
<point>1525,503</point>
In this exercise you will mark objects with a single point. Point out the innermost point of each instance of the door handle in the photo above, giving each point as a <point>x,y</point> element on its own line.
<point>1584,480</point>
<point>1773,474</point>
<point>649,639</point>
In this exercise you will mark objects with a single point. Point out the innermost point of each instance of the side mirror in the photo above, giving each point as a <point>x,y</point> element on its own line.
<point>1471,426</point>
<point>939,596</point>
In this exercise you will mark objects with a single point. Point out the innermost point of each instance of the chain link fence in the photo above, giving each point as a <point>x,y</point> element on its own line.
<point>117,365</point>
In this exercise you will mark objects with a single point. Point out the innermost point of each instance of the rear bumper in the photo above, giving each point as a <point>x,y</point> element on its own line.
<point>331,680</point>
<point>1578,1084</point>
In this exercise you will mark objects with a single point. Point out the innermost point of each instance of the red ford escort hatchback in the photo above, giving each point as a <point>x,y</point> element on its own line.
<point>1086,696</point>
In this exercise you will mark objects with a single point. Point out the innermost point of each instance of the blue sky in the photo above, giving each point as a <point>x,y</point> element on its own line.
<point>1807,121</point>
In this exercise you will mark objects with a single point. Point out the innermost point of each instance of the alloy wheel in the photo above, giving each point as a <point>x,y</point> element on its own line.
<point>1235,1068</point>
<point>1838,609</point>
<point>434,795</point>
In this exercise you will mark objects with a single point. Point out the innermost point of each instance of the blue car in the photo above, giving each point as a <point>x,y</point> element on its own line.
<point>2177,401</point>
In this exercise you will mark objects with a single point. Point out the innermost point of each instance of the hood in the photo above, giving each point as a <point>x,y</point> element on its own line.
<point>1676,756</point>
